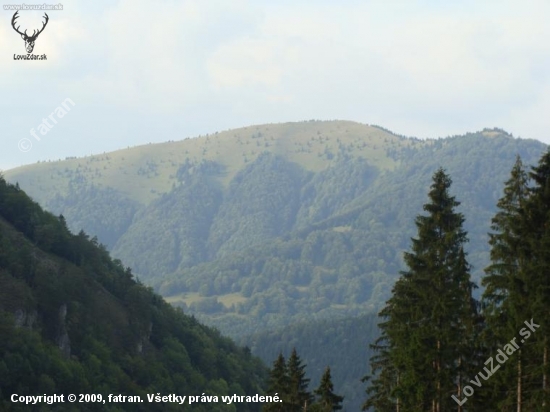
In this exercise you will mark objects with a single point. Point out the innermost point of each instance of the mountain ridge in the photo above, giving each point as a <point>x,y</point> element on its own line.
<point>316,211</point>
<point>258,137</point>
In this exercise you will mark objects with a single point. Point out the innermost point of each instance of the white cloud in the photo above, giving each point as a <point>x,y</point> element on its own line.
<point>427,59</point>
<point>419,67</point>
<point>157,52</point>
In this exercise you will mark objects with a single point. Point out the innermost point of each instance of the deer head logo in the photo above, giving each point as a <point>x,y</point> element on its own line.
<point>29,40</point>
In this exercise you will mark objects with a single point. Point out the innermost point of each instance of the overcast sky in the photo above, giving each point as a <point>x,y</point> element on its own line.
<point>151,71</point>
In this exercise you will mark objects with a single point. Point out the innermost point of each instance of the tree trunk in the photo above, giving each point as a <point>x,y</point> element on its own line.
<point>544,376</point>
<point>459,382</point>
<point>519,383</point>
<point>397,402</point>
<point>438,403</point>
<point>434,365</point>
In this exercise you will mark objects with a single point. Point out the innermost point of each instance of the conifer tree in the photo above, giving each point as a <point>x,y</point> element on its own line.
<point>537,211</point>
<point>328,400</point>
<point>518,286</point>
<point>278,384</point>
<point>298,396</point>
<point>505,300</point>
<point>383,380</point>
<point>426,321</point>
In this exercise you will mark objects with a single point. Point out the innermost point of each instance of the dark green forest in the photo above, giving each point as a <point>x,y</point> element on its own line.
<point>75,321</point>
<point>440,349</point>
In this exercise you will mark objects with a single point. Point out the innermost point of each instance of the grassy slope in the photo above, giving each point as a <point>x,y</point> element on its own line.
<point>144,172</point>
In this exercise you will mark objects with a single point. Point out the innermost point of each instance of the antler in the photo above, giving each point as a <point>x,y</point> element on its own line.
<point>34,36</point>
<point>34,33</point>
<point>15,16</point>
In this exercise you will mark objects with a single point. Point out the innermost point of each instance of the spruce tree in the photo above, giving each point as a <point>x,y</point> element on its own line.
<point>328,400</point>
<point>505,300</point>
<point>537,211</point>
<point>298,396</point>
<point>426,321</point>
<point>518,287</point>
<point>278,384</point>
<point>383,380</point>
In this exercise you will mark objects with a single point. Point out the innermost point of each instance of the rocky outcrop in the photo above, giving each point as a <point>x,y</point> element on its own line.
<point>25,319</point>
<point>144,338</point>
<point>63,337</point>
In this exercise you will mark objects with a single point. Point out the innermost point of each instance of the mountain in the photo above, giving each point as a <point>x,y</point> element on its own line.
<point>279,235</point>
<point>257,228</point>
<point>74,321</point>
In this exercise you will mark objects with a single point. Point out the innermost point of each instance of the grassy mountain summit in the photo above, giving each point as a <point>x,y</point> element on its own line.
<point>259,227</point>
<point>144,173</point>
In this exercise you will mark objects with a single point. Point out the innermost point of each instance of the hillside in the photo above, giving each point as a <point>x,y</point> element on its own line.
<point>257,228</point>
<point>74,321</point>
<point>143,173</point>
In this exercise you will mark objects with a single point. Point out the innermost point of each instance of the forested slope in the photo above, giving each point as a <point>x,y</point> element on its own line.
<point>263,226</point>
<point>72,320</point>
